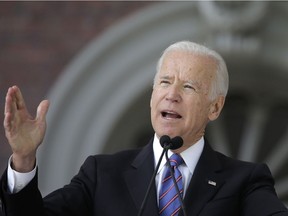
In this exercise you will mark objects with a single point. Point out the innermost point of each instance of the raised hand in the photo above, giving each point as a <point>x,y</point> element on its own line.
<point>24,133</point>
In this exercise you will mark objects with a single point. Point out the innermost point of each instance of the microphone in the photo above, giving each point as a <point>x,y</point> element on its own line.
<point>167,143</point>
<point>176,143</point>
<point>172,144</point>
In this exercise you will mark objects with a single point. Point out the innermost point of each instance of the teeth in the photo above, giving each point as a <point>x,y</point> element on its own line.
<point>171,115</point>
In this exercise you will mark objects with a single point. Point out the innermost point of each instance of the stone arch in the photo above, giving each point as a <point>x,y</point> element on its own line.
<point>104,89</point>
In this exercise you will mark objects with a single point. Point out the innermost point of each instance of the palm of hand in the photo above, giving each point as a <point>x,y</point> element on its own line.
<point>23,133</point>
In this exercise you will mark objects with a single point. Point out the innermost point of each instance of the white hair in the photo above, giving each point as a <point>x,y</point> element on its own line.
<point>220,84</point>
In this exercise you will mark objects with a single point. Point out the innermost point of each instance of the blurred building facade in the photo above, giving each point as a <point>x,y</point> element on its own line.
<point>97,70</point>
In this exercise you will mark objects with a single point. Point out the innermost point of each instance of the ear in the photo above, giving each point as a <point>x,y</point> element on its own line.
<point>216,108</point>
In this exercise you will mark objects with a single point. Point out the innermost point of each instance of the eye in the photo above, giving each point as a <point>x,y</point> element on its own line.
<point>164,82</point>
<point>189,86</point>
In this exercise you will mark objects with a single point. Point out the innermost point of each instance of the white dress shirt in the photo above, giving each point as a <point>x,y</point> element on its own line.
<point>16,180</point>
<point>190,157</point>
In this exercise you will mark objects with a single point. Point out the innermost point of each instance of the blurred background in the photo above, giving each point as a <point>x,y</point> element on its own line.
<point>95,62</point>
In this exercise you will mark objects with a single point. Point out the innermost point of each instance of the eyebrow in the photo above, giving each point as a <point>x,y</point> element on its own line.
<point>165,77</point>
<point>188,81</point>
<point>194,82</point>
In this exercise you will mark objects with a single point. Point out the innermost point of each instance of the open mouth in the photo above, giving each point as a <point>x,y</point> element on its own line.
<point>171,115</point>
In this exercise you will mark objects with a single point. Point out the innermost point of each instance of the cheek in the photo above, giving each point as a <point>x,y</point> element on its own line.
<point>155,97</point>
<point>152,98</point>
<point>198,110</point>
<point>152,101</point>
<point>153,106</point>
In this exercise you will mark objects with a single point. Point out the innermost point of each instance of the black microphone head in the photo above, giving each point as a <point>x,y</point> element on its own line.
<point>176,142</point>
<point>165,140</point>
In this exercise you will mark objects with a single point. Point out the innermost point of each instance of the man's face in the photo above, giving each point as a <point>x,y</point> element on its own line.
<point>180,103</point>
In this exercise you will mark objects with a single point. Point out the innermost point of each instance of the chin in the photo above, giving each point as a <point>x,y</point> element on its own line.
<point>170,133</point>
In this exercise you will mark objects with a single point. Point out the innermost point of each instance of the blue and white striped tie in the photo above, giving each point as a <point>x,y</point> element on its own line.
<point>169,203</point>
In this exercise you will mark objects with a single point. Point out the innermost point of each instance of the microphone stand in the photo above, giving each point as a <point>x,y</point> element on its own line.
<point>165,149</point>
<point>175,184</point>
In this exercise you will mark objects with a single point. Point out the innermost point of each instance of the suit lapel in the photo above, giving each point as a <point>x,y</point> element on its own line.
<point>205,182</point>
<point>138,179</point>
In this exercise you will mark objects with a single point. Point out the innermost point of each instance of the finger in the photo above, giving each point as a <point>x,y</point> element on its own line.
<point>7,122</point>
<point>20,103</point>
<point>10,109</point>
<point>42,110</point>
<point>10,102</point>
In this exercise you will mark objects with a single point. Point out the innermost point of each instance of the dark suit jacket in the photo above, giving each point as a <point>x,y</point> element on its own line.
<point>110,185</point>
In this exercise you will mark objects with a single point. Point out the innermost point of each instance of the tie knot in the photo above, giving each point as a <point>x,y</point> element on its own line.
<point>176,160</point>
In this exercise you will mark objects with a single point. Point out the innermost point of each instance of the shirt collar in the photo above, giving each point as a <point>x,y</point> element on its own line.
<point>190,155</point>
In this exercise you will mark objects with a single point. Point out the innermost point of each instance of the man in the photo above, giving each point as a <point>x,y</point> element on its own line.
<point>189,91</point>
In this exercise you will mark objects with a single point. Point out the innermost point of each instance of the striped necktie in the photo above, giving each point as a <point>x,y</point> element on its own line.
<point>169,203</point>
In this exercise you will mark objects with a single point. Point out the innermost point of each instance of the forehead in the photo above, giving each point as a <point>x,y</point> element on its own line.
<point>187,64</point>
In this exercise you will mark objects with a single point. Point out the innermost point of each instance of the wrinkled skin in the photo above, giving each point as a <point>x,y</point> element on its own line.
<point>180,102</point>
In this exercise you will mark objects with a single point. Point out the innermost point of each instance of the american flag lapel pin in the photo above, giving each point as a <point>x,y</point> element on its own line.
<point>213,183</point>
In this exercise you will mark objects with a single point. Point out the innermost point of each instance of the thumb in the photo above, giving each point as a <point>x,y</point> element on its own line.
<point>42,110</point>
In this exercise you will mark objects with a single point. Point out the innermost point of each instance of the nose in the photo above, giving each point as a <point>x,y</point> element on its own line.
<point>173,94</point>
